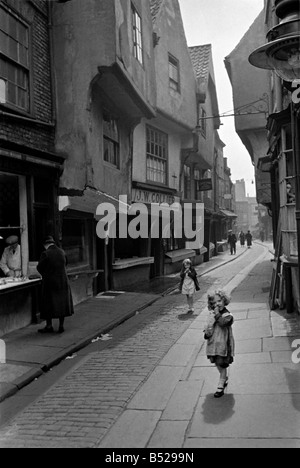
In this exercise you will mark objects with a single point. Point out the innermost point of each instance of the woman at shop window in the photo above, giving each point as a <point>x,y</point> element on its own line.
<point>11,263</point>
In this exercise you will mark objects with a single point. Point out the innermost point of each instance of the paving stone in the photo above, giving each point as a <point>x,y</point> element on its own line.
<point>247,417</point>
<point>133,429</point>
<point>285,326</point>
<point>156,392</point>
<point>277,344</point>
<point>241,443</point>
<point>179,355</point>
<point>202,361</point>
<point>10,372</point>
<point>191,337</point>
<point>281,356</point>
<point>264,379</point>
<point>255,314</point>
<point>183,401</point>
<point>169,434</point>
<point>260,328</point>
<point>248,346</point>
<point>253,358</point>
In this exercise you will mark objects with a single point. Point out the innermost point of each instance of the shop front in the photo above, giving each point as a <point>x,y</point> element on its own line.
<point>171,223</point>
<point>28,195</point>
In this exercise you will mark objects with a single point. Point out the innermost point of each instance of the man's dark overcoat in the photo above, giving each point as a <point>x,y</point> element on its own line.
<point>249,239</point>
<point>56,292</point>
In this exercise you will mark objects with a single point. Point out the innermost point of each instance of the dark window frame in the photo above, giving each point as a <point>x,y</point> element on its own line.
<point>187,182</point>
<point>157,154</point>
<point>202,121</point>
<point>174,78</point>
<point>111,140</point>
<point>82,246</point>
<point>137,35</point>
<point>15,60</point>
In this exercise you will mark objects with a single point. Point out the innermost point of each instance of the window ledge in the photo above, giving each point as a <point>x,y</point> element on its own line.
<point>76,274</point>
<point>9,285</point>
<point>132,262</point>
<point>180,255</point>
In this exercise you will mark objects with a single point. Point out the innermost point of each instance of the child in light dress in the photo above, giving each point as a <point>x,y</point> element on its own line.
<point>189,283</point>
<point>219,336</point>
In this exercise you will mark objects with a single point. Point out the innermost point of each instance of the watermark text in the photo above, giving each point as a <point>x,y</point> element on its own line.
<point>2,352</point>
<point>154,221</point>
<point>296,93</point>
<point>296,353</point>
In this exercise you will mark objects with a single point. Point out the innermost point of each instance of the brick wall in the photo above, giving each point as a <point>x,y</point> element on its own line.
<point>35,12</point>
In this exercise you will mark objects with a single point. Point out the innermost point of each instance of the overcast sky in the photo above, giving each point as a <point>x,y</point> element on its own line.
<point>223,23</point>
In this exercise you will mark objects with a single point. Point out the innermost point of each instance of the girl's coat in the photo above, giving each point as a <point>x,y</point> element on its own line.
<point>219,335</point>
<point>192,274</point>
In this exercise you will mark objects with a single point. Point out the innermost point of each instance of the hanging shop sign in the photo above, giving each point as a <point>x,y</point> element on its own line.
<point>205,185</point>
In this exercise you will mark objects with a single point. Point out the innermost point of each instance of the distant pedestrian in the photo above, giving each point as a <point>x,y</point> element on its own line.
<point>232,240</point>
<point>262,236</point>
<point>242,238</point>
<point>219,336</point>
<point>249,239</point>
<point>189,283</point>
<point>56,299</point>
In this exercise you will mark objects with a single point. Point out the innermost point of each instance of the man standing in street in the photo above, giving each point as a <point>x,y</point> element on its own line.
<point>249,239</point>
<point>11,263</point>
<point>232,240</point>
<point>57,300</point>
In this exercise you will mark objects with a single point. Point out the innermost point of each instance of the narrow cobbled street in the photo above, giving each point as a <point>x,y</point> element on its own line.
<point>155,364</point>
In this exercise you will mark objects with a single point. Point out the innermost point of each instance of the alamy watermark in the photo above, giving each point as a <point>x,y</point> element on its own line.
<point>296,93</point>
<point>296,353</point>
<point>2,352</point>
<point>155,221</point>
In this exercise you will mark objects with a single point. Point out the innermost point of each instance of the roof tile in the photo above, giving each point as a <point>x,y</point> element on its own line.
<point>155,7</point>
<point>201,57</point>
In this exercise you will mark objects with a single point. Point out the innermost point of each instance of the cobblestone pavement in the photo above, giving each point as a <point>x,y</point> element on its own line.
<point>78,410</point>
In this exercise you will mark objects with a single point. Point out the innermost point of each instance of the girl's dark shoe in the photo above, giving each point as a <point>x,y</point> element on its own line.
<point>61,330</point>
<point>219,393</point>
<point>46,330</point>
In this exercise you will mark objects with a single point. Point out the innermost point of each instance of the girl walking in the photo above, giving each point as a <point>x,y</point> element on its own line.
<point>218,332</point>
<point>189,283</point>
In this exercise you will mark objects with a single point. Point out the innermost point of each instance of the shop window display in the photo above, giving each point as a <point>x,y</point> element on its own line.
<point>9,221</point>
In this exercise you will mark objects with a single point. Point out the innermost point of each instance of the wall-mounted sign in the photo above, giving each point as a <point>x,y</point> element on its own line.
<point>148,197</point>
<point>205,185</point>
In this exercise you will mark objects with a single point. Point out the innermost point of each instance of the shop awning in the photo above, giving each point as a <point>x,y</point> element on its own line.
<point>228,214</point>
<point>180,255</point>
<point>89,201</point>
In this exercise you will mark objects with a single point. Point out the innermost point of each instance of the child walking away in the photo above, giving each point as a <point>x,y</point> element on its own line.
<point>189,283</point>
<point>218,332</point>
